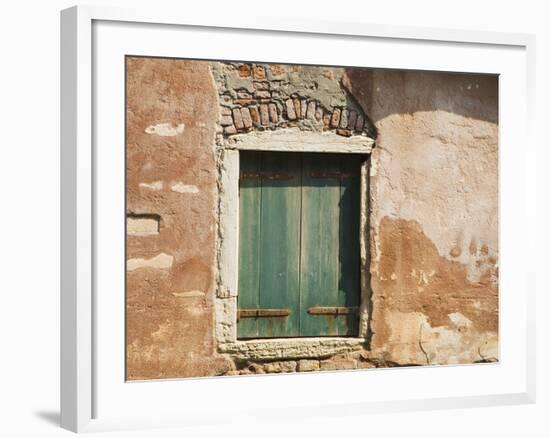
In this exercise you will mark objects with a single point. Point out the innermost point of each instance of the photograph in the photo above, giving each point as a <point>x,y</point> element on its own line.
<point>289,218</point>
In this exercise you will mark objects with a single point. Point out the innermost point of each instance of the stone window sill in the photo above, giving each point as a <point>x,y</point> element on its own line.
<point>290,348</point>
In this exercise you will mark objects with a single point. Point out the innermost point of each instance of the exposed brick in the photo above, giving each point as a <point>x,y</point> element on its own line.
<point>319,113</point>
<point>255,115</point>
<point>238,119</point>
<point>311,107</point>
<point>326,119</point>
<point>277,70</point>
<point>290,113</point>
<point>264,114</point>
<point>335,118</point>
<point>230,130</point>
<point>262,94</point>
<point>303,107</point>
<point>244,71</point>
<point>226,120</point>
<point>241,94</point>
<point>261,85</point>
<point>360,122</point>
<point>344,118</point>
<point>225,111</point>
<point>258,72</point>
<point>297,107</point>
<point>352,120</point>
<point>273,113</point>
<point>247,120</point>
<point>343,132</point>
<point>245,102</point>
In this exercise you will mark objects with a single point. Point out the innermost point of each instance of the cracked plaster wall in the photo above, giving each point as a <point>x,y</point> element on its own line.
<point>434,214</point>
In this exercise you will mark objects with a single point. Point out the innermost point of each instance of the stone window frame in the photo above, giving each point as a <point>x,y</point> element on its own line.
<point>227,247</point>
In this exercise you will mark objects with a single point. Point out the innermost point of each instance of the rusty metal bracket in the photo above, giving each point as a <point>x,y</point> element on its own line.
<point>318,310</point>
<point>262,313</point>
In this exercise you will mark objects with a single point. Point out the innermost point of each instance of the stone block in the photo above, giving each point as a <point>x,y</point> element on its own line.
<point>238,119</point>
<point>303,108</point>
<point>247,119</point>
<point>261,85</point>
<point>226,120</point>
<point>288,366</point>
<point>297,107</point>
<point>277,71</point>
<point>308,365</point>
<point>244,71</point>
<point>344,118</point>
<point>258,72</point>
<point>338,364</point>
<point>230,130</point>
<point>273,113</point>
<point>311,107</point>
<point>243,95</point>
<point>290,112</point>
<point>255,115</point>
<point>335,118</point>
<point>262,94</point>
<point>319,113</point>
<point>343,132</point>
<point>264,114</point>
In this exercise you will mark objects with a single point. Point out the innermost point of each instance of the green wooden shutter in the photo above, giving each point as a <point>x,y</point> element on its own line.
<point>298,245</point>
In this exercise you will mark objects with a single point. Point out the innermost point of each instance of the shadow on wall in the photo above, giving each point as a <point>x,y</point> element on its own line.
<point>382,92</point>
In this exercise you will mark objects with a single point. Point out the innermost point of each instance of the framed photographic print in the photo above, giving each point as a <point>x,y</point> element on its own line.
<point>319,217</point>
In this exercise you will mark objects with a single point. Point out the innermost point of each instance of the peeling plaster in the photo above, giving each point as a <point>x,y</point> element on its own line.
<point>189,294</point>
<point>165,129</point>
<point>184,188</point>
<point>155,185</point>
<point>161,261</point>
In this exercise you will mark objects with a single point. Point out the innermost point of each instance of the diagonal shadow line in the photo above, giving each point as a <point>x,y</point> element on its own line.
<point>51,417</point>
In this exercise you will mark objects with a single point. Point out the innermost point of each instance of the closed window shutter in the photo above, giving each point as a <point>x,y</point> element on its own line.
<point>298,245</point>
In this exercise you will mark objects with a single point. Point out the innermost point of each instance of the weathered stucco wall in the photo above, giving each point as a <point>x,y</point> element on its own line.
<point>171,178</point>
<point>433,200</point>
<point>434,215</point>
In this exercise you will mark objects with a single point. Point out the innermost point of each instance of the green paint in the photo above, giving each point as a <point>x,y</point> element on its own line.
<point>279,243</point>
<point>299,242</point>
<point>319,258</point>
<point>249,243</point>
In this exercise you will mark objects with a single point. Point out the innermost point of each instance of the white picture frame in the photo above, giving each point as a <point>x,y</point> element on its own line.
<point>93,398</point>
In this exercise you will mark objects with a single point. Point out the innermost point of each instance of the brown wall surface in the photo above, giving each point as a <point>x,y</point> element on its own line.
<point>171,122</point>
<point>433,220</point>
<point>434,214</point>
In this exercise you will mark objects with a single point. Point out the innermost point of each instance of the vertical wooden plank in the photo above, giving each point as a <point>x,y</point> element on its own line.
<point>319,242</point>
<point>349,260</point>
<point>280,243</point>
<point>249,241</point>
